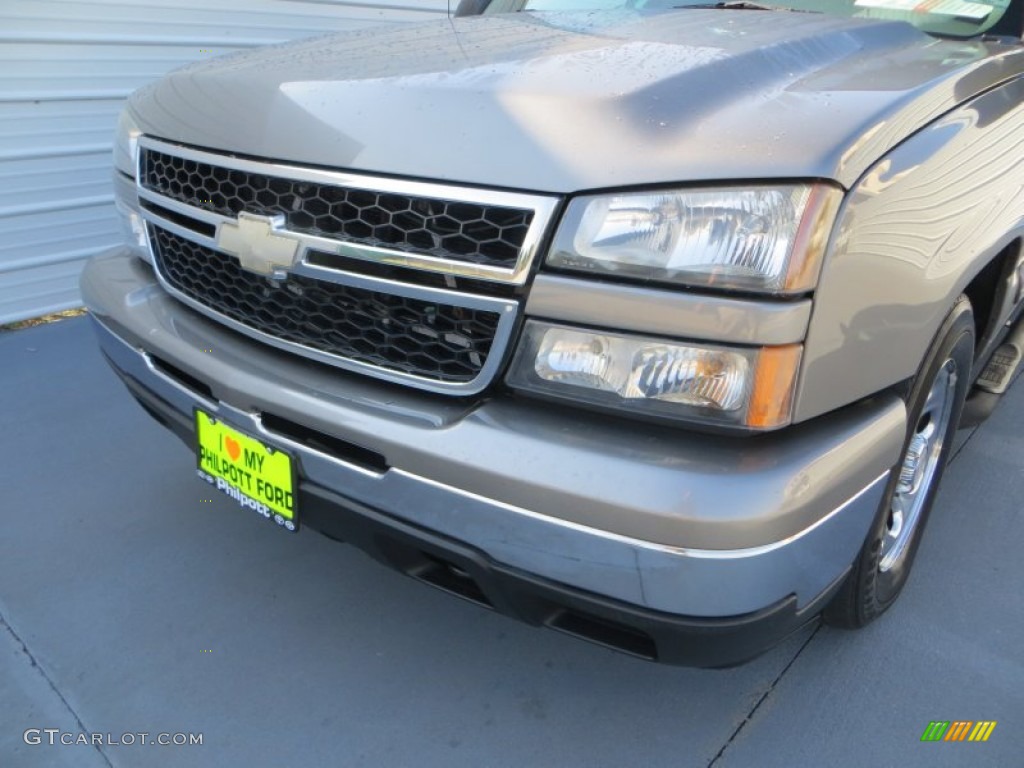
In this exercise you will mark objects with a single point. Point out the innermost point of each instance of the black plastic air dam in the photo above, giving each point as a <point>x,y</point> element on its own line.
<point>653,635</point>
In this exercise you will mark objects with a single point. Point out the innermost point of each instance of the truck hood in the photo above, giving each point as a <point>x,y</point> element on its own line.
<point>563,102</point>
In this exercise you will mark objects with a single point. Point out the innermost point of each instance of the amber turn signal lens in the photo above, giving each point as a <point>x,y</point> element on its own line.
<point>771,398</point>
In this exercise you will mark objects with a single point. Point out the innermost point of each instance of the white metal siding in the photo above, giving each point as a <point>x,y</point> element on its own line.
<point>66,67</point>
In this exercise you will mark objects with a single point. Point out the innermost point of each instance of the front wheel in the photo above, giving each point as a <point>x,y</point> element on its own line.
<point>933,410</point>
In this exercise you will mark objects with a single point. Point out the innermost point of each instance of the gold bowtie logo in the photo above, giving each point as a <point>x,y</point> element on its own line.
<point>258,245</point>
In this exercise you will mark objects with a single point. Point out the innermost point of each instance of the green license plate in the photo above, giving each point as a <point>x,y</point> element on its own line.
<point>256,475</point>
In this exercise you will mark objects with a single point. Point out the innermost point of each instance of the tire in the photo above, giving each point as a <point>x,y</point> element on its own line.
<point>934,405</point>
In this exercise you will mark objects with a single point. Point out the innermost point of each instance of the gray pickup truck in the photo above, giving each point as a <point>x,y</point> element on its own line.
<point>650,322</point>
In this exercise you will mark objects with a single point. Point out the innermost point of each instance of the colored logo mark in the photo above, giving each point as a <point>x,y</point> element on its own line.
<point>958,730</point>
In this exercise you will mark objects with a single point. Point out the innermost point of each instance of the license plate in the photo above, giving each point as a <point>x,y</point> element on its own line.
<point>254,474</point>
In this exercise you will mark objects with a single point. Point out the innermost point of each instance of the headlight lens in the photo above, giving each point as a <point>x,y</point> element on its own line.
<point>695,382</point>
<point>126,198</point>
<point>133,229</point>
<point>755,239</point>
<point>126,143</point>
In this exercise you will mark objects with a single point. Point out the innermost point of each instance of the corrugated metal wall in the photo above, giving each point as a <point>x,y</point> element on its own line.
<point>66,66</point>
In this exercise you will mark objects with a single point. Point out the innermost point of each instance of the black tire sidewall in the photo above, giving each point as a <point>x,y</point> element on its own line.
<point>955,341</point>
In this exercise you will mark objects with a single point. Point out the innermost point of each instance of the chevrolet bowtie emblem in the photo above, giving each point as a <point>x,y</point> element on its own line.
<point>258,245</point>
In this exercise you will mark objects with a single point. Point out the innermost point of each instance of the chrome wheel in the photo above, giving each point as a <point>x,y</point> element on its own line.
<point>933,404</point>
<point>918,469</point>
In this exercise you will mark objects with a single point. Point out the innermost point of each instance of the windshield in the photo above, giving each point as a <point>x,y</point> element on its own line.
<point>949,18</point>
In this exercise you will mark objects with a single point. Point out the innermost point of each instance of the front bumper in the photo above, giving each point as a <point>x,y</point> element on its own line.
<point>557,517</point>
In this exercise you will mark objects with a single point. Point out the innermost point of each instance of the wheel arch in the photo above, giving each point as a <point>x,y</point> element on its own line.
<point>993,290</point>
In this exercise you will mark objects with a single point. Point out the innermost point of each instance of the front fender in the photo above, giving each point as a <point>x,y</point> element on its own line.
<point>911,234</point>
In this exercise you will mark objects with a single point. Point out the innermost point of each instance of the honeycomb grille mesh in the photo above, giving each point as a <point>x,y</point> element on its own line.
<point>412,336</point>
<point>485,235</point>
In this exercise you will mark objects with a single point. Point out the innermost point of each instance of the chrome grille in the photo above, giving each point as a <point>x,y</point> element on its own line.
<point>407,281</point>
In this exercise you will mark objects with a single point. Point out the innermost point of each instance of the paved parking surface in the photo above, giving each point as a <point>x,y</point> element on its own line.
<point>128,604</point>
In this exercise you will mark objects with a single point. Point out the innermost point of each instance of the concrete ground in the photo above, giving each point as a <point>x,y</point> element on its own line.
<point>128,604</point>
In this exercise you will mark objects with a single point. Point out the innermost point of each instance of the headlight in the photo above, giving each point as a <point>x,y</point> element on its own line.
<point>126,198</point>
<point>702,383</point>
<point>126,143</point>
<point>767,238</point>
<point>126,202</point>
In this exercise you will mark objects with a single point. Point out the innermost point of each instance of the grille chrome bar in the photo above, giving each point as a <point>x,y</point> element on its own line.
<point>541,207</point>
